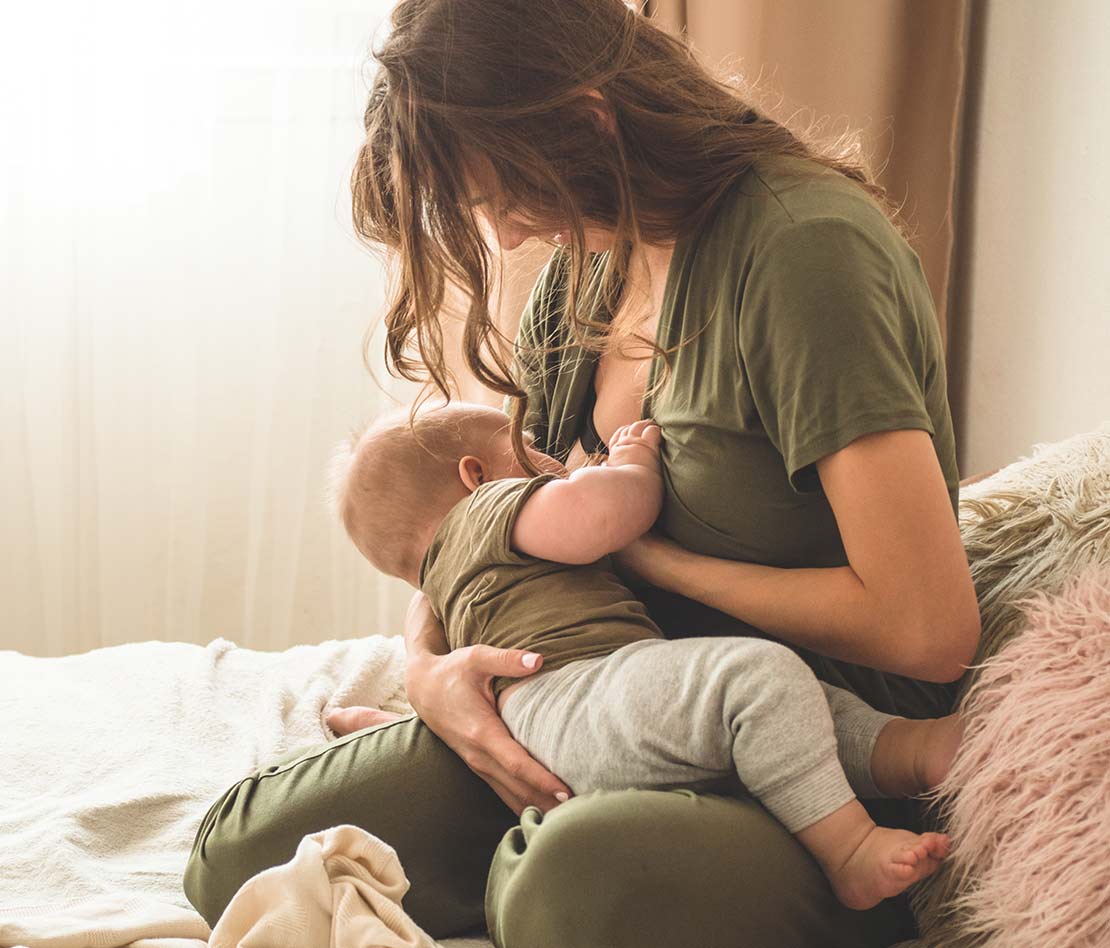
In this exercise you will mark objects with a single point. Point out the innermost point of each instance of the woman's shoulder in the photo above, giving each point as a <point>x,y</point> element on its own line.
<point>795,217</point>
<point>781,207</point>
<point>783,192</point>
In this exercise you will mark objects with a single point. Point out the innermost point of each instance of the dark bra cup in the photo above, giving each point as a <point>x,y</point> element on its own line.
<point>591,440</point>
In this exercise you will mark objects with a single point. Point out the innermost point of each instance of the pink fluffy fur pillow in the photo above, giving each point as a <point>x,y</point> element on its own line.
<point>1028,797</point>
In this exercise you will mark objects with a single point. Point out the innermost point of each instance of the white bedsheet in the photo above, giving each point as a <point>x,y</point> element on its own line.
<point>109,760</point>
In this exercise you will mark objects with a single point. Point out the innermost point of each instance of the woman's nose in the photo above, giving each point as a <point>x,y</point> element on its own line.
<point>511,236</point>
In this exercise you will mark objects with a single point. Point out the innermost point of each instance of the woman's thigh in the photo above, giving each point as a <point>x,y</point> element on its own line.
<point>640,868</point>
<point>397,781</point>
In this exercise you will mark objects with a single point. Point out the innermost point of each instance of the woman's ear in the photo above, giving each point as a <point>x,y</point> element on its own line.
<point>601,110</point>
<point>472,472</point>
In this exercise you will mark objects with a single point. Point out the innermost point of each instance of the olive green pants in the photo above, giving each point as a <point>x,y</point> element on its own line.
<point>617,869</point>
<point>627,869</point>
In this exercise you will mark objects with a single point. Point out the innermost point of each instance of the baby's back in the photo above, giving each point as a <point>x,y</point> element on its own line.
<point>486,593</point>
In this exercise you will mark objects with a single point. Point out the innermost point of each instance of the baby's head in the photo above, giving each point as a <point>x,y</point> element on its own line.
<point>393,484</point>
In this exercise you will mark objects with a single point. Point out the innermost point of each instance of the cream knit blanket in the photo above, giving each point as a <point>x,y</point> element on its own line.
<point>343,887</point>
<point>109,760</point>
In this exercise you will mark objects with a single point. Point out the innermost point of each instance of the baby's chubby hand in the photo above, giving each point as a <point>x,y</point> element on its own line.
<point>637,443</point>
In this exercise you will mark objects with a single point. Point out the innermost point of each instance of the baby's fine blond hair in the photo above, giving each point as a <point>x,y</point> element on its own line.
<point>392,484</point>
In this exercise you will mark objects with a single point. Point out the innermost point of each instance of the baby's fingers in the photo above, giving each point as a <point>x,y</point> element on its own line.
<point>637,431</point>
<point>637,428</point>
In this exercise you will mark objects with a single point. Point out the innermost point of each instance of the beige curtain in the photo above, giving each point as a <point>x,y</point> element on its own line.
<point>182,305</point>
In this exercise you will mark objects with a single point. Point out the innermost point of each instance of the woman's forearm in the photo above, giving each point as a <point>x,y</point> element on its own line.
<point>826,610</point>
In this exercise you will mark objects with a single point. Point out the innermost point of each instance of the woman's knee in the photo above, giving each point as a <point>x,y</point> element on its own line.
<point>242,833</point>
<point>397,781</point>
<point>629,868</point>
<point>214,870</point>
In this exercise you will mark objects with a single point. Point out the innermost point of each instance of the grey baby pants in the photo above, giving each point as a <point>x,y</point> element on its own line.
<point>665,713</point>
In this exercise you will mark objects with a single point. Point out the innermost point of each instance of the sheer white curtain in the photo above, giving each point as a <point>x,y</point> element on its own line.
<point>182,304</point>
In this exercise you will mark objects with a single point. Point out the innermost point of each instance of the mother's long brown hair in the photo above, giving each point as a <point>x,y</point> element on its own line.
<point>503,85</point>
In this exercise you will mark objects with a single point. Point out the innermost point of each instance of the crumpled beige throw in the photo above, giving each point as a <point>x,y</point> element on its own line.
<point>343,887</point>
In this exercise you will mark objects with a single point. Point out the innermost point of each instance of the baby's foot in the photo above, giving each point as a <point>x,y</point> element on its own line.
<point>934,753</point>
<point>886,862</point>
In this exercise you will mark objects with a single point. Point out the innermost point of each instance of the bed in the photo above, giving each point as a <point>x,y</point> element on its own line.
<point>110,758</point>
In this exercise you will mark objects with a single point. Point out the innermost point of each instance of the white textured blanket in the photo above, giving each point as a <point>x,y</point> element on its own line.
<point>109,760</point>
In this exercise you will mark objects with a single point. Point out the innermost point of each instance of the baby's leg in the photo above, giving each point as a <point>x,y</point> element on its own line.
<point>888,756</point>
<point>857,726</point>
<point>669,713</point>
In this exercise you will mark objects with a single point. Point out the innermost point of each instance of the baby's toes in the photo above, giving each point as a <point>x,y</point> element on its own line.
<point>900,871</point>
<point>938,845</point>
<point>907,856</point>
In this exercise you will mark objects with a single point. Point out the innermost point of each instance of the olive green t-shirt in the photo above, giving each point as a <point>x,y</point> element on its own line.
<point>485,593</point>
<point>807,323</point>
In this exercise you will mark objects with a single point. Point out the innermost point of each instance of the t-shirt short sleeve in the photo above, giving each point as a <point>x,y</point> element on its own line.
<point>489,516</point>
<point>830,347</point>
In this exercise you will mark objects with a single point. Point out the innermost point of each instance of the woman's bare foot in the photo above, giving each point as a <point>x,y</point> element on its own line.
<point>348,720</point>
<point>886,862</point>
<point>911,757</point>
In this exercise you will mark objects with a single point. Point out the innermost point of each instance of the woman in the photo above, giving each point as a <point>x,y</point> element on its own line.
<point>796,370</point>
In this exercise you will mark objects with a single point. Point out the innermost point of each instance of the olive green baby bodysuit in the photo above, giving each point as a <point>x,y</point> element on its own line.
<point>485,593</point>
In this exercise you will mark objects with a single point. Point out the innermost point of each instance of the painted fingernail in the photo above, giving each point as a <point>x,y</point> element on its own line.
<point>561,797</point>
<point>530,660</point>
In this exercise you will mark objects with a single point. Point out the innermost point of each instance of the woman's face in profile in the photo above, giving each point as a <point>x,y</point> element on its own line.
<point>509,229</point>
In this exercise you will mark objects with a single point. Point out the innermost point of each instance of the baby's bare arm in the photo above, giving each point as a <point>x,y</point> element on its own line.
<point>597,510</point>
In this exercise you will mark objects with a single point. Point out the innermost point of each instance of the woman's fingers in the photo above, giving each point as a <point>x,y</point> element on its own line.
<point>463,713</point>
<point>511,800</point>
<point>525,775</point>
<point>518,778</point>
<point>348,720</point>
<point>488,661</point>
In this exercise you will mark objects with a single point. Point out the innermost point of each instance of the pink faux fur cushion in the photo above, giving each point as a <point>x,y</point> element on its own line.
<point>1016,877</point>
<point>1029,793</point>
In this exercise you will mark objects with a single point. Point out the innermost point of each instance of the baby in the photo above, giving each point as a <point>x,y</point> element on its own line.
<point>515,561</point>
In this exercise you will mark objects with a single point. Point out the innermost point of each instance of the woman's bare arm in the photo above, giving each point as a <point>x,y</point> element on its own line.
<point>904,604</point>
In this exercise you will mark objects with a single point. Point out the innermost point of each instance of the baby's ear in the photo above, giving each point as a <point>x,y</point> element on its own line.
<point>472,472</point>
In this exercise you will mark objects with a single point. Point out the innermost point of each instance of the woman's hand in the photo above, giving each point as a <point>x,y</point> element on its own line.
<point>453,696</point>
<point>649,560</point>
